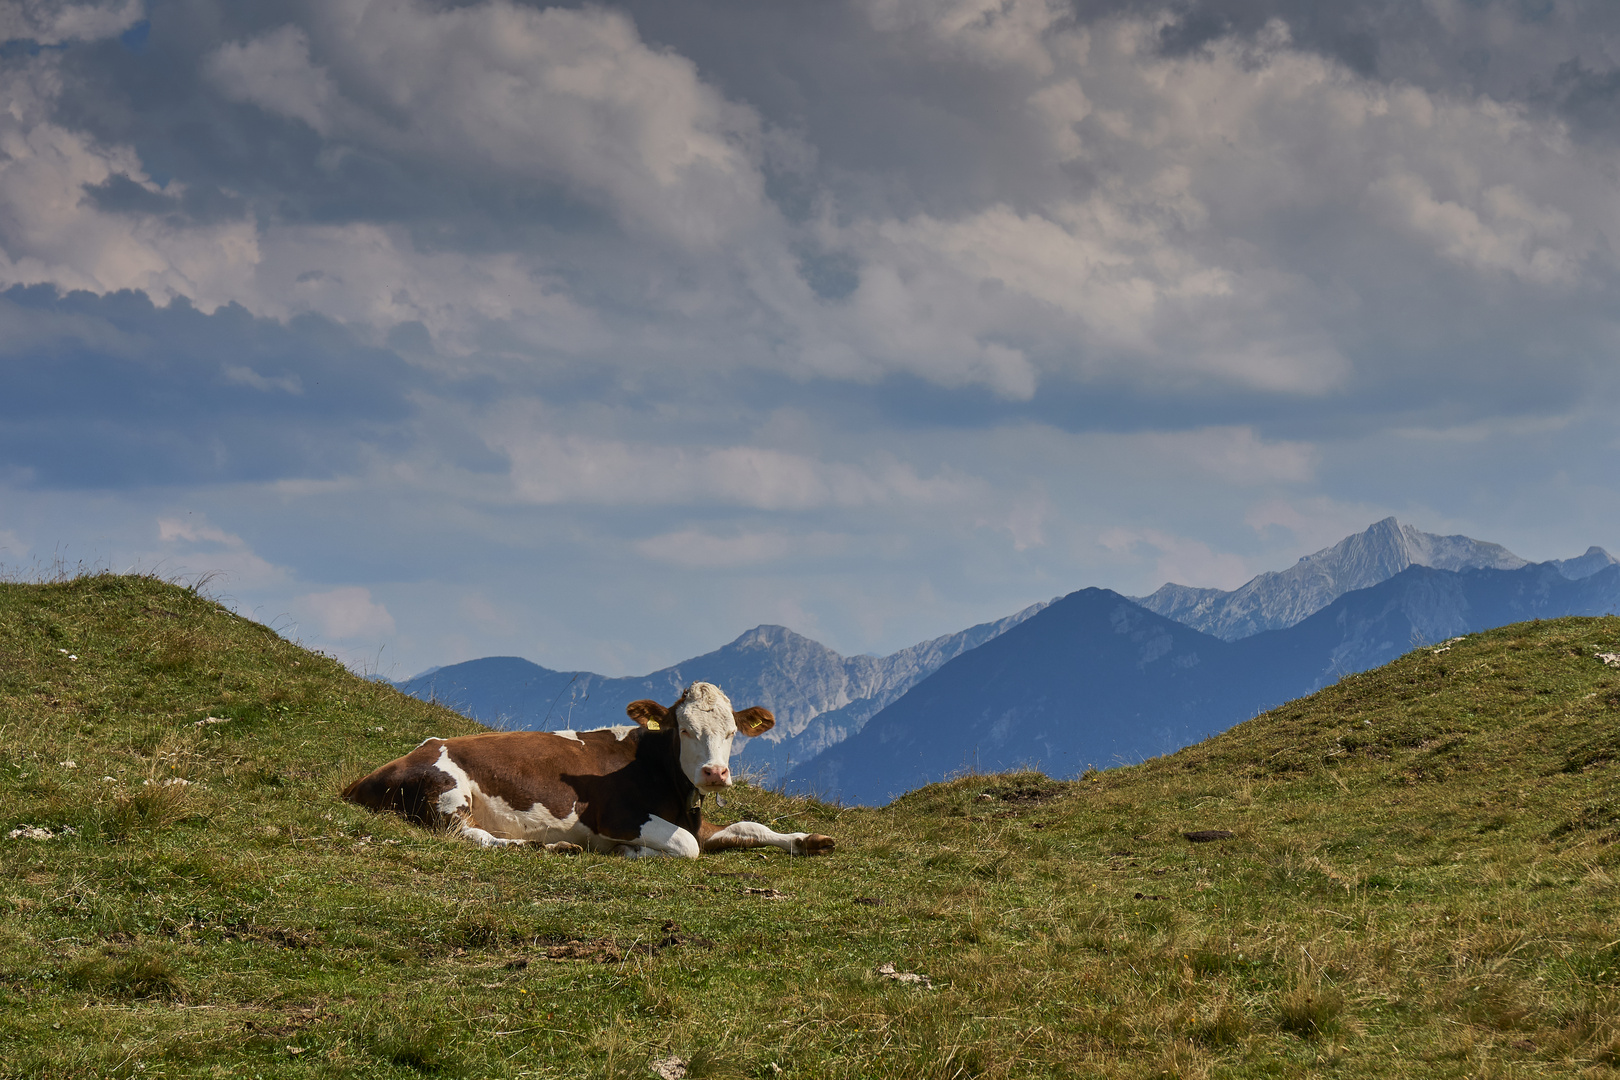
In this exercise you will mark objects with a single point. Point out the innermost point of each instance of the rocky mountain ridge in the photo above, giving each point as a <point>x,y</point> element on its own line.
<point>1281,598</point>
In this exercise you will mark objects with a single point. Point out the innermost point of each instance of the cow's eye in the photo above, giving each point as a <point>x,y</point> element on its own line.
<point>688,734</point>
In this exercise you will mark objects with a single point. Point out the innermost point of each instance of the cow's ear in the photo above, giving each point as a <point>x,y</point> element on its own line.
<point>755,721</point>
<point>649,714</point>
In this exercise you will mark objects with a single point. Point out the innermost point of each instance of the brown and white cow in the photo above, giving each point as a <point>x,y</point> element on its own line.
<point>635,790</point>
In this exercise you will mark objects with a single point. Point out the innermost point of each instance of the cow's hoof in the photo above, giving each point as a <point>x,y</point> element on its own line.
<point>816,844</point>
<point>563,847</point>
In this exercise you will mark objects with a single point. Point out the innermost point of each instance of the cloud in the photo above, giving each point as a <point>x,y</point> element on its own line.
<point>53,22</point>
<point>1315,522</point>
<point>113,391</point>
<point>346,613</point>
<point>274,71</point>
<point>572,98</point>
<point>51,232</point>
<point>1237,455</point>
<point>698,548</point>
<point>989,32</point>
<point>193,547</point>
<point>578,469</point>
<point>1180,559</point>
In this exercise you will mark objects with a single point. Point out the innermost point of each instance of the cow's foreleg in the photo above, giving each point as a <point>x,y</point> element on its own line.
<point>748,834</point>
<point>660,837</point>
<point>462,824</point>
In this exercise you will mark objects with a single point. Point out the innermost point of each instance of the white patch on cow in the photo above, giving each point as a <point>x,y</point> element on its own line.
<point>490,821</point>
<point>536,823</point>
<point>570,735</point>
<point>460,796</point>
<point>622,730</point>
<point>752,832</point>
<point>660,837</point>
<point>707,729</point>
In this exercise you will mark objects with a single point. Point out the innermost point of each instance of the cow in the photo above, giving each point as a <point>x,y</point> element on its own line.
<point>634,790</point>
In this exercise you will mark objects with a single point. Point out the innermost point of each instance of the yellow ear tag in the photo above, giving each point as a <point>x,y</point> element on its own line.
<point>652,725</point>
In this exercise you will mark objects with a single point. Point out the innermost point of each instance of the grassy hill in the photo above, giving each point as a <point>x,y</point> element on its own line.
<point>1422,880</point>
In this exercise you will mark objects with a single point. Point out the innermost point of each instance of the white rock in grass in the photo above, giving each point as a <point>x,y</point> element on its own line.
<point>670,1068</point>
<point>887,971</point>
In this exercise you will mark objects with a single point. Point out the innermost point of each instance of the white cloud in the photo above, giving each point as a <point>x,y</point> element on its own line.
<point>570,97</point>
<point>994,33</point>
<point>1237,455</point>
<point>373,278</point>
<point>345,613</point>
<point>700,548</point>
<point>54,22</point>
<point>1316,521</point>
<point>577,469</point>
<point>1504,231</point>
<point>246,376</point>
<point>1180,559</point>
<point>192,547</point>
<point>52,232</point>
<point>274,71</point>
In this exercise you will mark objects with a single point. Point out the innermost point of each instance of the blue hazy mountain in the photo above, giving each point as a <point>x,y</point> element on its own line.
<point>1097,679</point>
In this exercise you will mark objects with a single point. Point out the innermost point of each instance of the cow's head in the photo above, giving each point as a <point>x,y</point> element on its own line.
<point>704,727</point>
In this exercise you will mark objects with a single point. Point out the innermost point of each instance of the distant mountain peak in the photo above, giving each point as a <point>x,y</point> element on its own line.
<point>1278,599</point>
<point>1584,566</point>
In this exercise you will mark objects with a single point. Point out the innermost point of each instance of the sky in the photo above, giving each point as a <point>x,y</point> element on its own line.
<point>598,334</point>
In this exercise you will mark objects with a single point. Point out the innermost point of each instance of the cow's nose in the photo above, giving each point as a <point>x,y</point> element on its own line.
<point>717,775</point>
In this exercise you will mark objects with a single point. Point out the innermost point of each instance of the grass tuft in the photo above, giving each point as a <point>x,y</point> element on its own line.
<point>141,972</point>
<point>1310,1010</point>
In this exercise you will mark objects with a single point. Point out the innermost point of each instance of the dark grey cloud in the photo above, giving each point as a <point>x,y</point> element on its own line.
<point>112,391</point>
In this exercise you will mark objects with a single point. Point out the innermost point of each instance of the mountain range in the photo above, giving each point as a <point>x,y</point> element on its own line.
<point>1097,680</point>
<point>819,697</point>
<point>1134,676</point>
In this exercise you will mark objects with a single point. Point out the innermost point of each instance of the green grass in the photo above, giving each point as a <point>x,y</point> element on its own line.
<point>1422,881</point>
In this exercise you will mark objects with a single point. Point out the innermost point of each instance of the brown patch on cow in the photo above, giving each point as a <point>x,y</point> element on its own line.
<point>1205,836</point>
<point>816,844</point>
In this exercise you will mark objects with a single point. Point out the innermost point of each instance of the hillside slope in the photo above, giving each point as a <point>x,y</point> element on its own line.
<point>1422,877</point>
